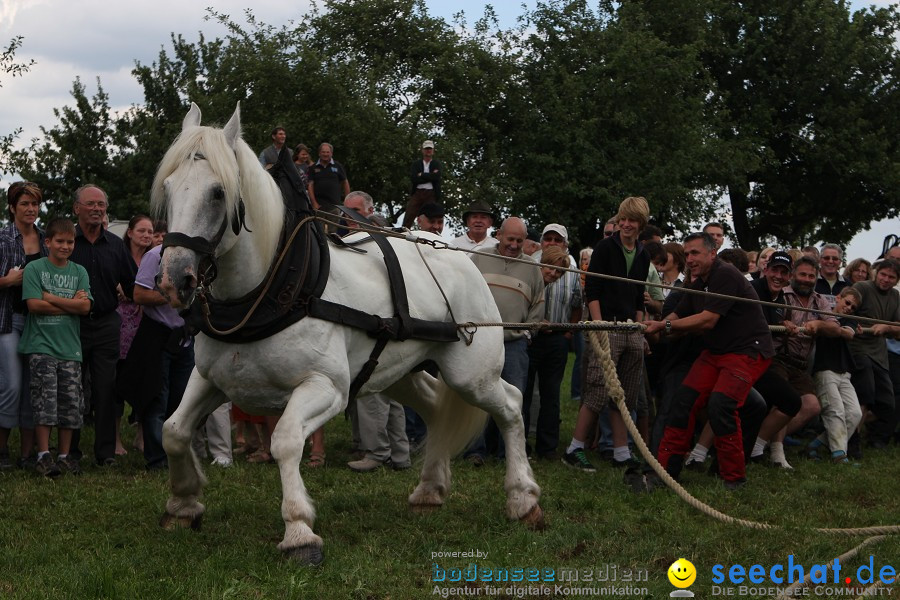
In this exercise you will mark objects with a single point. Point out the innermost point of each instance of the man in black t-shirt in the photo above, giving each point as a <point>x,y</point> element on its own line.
<point>327,181</point>
<point>738,350</point>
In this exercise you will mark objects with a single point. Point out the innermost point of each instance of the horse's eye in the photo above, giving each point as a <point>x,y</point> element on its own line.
<point>219,194</point>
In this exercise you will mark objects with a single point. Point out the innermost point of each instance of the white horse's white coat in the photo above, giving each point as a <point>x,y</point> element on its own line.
<point>304,372</point>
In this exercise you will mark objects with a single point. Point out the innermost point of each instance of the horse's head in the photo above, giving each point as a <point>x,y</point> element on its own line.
<point>198,188</point>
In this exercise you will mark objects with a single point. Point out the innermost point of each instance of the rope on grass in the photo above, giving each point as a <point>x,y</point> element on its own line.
<point>600,344</point>
<point>599,341</point>
<point>795,589</point>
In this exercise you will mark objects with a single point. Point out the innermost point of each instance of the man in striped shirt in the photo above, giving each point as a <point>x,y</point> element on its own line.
<point>549,349</point>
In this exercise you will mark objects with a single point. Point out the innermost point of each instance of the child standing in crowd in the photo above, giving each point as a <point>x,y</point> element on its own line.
<point>833,364</point>
<point>56,292</point>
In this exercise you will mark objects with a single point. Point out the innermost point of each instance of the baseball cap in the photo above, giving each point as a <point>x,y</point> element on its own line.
<point>557,228</point>
<point>781,258</point>
<point>427,144</point>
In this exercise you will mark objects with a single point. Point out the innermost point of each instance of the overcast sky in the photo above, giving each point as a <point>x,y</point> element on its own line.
<point>104,38</point>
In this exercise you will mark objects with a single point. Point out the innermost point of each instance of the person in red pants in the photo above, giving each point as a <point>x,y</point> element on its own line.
<point>738,350</point>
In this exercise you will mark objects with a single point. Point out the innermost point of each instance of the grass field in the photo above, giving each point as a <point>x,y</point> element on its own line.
<point>97,536</point>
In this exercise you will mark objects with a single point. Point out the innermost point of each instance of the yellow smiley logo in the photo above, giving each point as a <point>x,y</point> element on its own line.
<point>682,573</point>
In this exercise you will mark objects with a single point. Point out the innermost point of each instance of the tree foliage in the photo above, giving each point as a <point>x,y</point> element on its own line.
<point>787,109</point>
<point>10,66</point>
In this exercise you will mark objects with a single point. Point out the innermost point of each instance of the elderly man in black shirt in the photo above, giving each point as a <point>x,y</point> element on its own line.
<point>108,264</point>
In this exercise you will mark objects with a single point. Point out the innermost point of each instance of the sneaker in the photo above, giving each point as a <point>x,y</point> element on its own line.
<point>692,464</point>
<point>365,465</point>
<point>6,462</point>
<point>69,465</point>
<point>734,485</point>
<point>47,467</point>
<point>27,462</point>
<point>577,460</point>
<point>635,479</point>
<point>221,461</point>
<point>399,466</point>
<point>630,463</point>
<point>782,463</point>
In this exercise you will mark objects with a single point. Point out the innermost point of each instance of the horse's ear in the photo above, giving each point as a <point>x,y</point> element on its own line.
<point>192,119</point>
<point>232,129</point>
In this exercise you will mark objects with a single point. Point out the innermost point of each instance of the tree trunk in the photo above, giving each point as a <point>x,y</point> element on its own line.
<point>746,237</point>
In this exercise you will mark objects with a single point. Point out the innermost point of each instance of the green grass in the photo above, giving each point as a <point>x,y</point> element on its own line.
<point>97,536</point>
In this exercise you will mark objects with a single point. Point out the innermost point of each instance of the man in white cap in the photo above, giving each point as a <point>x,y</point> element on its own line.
<point>425,176</point>
<point>549,349</point>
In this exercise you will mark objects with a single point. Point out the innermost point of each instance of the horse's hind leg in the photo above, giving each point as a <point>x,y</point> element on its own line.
<point>311,405</point>
<point>186,479</point>
<point>522,491</point>
<point>420,392</point>
<point>502,401</point>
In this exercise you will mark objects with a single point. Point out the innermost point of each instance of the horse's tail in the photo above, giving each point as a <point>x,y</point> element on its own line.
<point>454,423</point>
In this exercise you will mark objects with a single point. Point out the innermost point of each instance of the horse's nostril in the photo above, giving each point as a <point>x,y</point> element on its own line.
<point>188,282</point>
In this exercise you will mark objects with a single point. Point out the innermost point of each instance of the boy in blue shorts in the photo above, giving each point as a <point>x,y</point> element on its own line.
<point>56,291</point>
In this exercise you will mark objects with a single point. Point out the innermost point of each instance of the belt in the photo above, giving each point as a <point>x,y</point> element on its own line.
<point>97,315</point>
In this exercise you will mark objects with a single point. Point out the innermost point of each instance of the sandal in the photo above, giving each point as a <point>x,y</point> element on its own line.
<point>316,460</point>
<point>245,449</point>
<point>260,456</point>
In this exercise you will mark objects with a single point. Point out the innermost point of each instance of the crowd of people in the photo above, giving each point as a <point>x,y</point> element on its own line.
<point>84,332</point>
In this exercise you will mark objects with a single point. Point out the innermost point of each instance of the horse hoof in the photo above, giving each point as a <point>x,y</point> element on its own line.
<point>534,520</point>
<point>308,555</point>
<point>424,509</point>
<point>171,522</point>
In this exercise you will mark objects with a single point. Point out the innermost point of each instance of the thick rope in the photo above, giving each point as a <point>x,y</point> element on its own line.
<point>600,344</point>
<point>804,582</point>
<point>597,326</point>
<point>442,245</point>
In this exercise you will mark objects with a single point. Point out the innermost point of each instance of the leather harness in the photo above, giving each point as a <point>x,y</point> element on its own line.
<point>292,288</point>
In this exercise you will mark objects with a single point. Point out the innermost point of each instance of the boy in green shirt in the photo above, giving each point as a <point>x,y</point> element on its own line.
<point>56,292</point>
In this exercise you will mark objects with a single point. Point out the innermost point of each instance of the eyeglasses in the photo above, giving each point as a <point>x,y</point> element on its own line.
<point>829,258</point>
<point>93,204</point>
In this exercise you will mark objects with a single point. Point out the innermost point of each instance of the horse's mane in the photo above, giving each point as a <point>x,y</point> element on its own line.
<point>240,174</point>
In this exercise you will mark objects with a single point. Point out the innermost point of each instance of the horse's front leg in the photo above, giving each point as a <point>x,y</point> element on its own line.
<point>311,405</point>
<point>186,479</point>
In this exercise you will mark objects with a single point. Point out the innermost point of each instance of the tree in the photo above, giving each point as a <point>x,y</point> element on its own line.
<point>806,97</point>
<point>9,66</point>
<point>80,149</point>
<point>610,107</point>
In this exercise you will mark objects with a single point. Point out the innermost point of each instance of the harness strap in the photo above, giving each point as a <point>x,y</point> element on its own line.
<point>398,286</point>
<point>375,326</point>
<point>368,368</point>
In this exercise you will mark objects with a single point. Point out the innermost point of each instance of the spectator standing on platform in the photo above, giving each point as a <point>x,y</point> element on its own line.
<point>328,182</point>
<point>269,156</point>
<point>425,176</point>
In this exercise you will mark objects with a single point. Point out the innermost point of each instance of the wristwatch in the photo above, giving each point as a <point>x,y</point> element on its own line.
<point>668,326</point>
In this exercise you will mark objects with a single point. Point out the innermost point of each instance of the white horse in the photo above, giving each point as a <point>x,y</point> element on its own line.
<point>304,372</point>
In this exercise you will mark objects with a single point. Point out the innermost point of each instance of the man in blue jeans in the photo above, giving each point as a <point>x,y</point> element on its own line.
<point>518,290</point>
